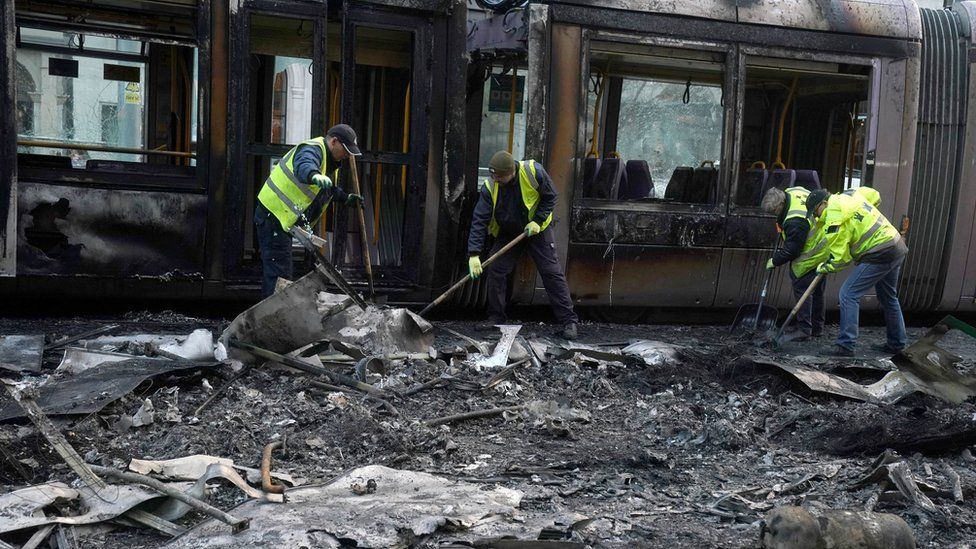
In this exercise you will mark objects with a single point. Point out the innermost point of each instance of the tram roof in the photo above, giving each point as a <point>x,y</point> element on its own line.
<point>886,18</point>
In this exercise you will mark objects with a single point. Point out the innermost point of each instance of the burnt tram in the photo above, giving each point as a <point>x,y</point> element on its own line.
<point>139,133</point>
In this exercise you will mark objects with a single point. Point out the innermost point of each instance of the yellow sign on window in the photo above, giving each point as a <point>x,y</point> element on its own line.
<point>133,93</point>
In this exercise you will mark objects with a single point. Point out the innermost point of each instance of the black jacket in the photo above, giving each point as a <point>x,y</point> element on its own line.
<point>510,212</point>
<point>795,230</point>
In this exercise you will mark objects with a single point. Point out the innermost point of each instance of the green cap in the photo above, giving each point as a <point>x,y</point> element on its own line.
<point>502,163</point>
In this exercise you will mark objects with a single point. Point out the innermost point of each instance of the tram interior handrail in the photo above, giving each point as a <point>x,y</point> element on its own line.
<point>100,148</point>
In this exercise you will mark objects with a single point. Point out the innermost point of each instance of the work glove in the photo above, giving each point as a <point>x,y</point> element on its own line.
<point>769,264</point>
<point>532,229</point>
<point>474,266</point>
<point>322,181</point>
<point>824,268</point>
<point>354,200</point>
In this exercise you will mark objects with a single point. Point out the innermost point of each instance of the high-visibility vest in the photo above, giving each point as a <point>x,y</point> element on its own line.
<point>530,195</point>
<point>867,193</point>
<point>869,230</point>
<point>815,247</point>
<point>284,195</point>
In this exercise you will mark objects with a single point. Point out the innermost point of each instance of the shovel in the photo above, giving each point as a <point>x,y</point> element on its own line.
<point>796,309</point>
<point>457,285</point>
<point>754,317</point>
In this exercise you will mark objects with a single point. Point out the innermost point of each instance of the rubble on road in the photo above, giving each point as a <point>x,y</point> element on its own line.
<point>21,353</point>
<point>398,508</point>
<point>386,431</point>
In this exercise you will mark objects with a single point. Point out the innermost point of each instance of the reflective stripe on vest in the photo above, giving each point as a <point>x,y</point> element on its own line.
<point>815,252</point>
<point>798,203</point>
<point>284,195</point>
<point>815,245</point>
<point>530,196</point>
<point>863,244</point>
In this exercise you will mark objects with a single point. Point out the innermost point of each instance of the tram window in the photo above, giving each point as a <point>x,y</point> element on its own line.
<point>281,76</point>
<point>503,115</point>
<point>803,125</point>
<point>655,120</point>
<point>84,100</point>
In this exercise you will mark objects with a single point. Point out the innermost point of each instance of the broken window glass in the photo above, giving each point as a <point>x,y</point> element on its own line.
<point>84,100</point>
<point>70,103</point>
<point>654,124</point>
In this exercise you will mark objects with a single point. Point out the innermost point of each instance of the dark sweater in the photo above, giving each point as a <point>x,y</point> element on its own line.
<point>510,212</point>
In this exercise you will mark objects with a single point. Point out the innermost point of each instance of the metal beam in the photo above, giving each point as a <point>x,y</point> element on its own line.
<point>8,143</point>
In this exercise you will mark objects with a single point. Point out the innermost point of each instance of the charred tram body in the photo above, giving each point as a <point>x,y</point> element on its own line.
<point>140,136</point>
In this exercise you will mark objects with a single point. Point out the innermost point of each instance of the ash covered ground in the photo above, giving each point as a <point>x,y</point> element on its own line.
<point>688,453</point>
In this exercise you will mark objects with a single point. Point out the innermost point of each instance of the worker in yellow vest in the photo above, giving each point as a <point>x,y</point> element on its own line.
<point>519,197</point>
<point>296,192</point>
<point>803,247</point>
<point>857,233</point>
<point>867,193</point>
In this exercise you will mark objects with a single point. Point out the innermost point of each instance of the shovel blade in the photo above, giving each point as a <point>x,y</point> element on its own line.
<point>754,318</point>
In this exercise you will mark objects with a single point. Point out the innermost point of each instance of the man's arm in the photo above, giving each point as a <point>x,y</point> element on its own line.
<point>479,222</point>
<point>796,230</point>
<point>547,195</point>
<point>308,159</point>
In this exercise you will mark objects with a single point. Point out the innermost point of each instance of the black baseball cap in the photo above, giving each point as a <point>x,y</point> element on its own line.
<point>815,198</point>
<point>347,136</point>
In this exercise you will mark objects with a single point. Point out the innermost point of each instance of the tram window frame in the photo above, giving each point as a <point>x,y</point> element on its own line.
<point>501,73</point>
<point>711,64</point>
<point>248,140</point>
<point>36,162</point>
<point>857,68</point>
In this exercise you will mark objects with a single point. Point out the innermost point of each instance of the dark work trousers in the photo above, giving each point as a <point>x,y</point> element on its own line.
<point>810,317</point>
<point>275,245</point>
<point>542,248</point>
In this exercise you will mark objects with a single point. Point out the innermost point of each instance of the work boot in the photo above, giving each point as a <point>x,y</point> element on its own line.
<point>885,348</point>
<point>795,336</point>
<point>569,331</point>
<point>840,350</point>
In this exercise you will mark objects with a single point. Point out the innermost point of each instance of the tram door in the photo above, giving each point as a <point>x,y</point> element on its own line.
<point>380,87</point>
<point>277,97</point>
<point>310,67</point>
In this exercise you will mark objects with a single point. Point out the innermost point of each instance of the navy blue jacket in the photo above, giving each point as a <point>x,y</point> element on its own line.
<point>510,212</point>
<point>307,160</point>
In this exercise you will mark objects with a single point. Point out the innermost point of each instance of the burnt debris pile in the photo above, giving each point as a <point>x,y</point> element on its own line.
<point>311,421</point>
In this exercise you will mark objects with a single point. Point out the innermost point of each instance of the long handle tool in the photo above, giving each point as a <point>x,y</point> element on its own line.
<point>457,285</point>
<point>799,303</point>
<point>745,320</point>
<point>367,262</point>
<point>305,238</point>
